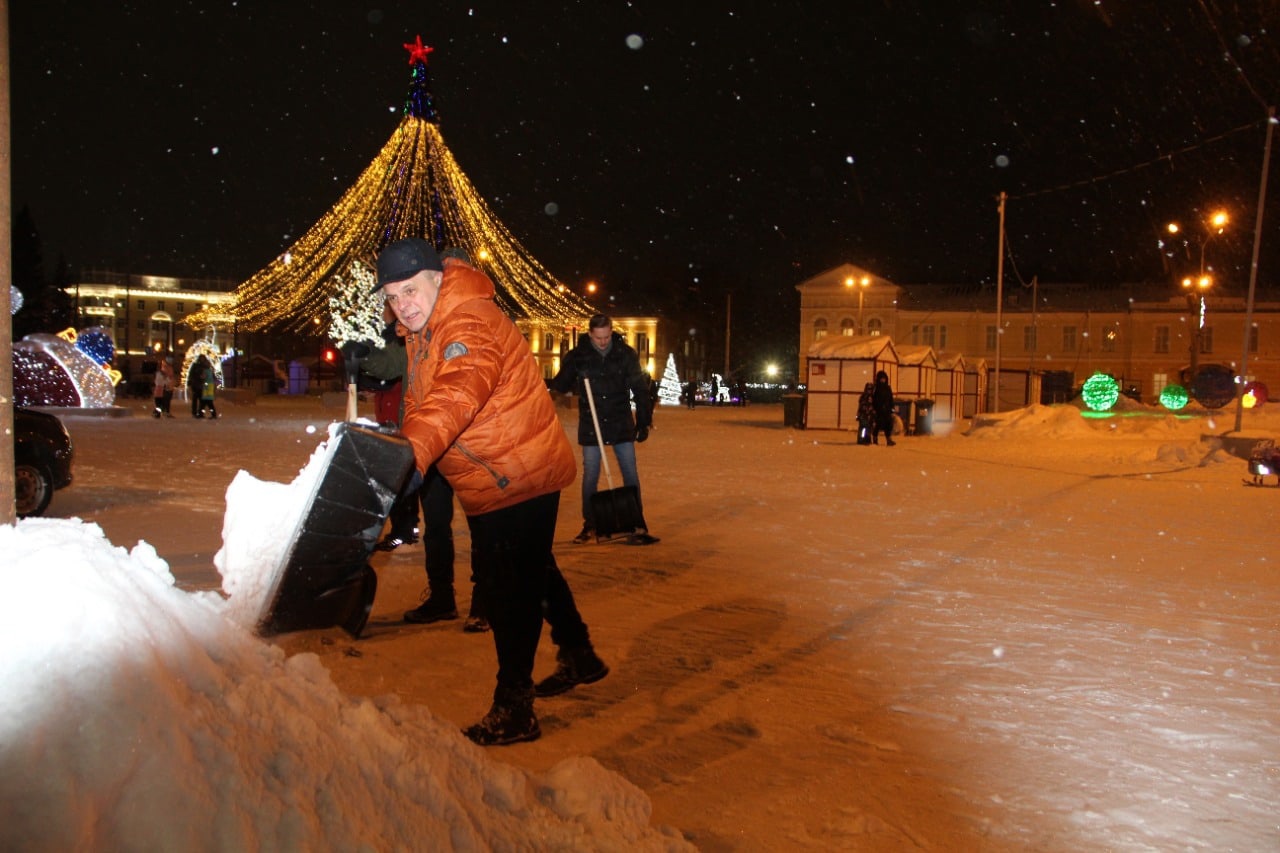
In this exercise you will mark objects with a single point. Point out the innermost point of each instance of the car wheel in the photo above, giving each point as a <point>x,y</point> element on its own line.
<point>32,489</point>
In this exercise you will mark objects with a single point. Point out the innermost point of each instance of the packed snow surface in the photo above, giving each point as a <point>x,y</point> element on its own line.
<point>1037,630</point>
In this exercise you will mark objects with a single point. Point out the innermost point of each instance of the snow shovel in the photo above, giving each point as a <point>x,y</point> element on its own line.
<point>617,510</point>
<point>324,578</point>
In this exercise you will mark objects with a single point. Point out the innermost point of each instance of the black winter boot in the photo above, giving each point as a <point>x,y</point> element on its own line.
<point>510,720</point>
<point>434,609</point>
<point>477,617</point>
<point>574,666</point>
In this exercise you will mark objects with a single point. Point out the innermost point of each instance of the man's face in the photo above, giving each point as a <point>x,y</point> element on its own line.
<point>600,337</point>
<point>413,299</point>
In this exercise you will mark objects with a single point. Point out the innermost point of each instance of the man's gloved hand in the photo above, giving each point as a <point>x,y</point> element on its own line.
<point>353,352</point>
<point>642,432</point>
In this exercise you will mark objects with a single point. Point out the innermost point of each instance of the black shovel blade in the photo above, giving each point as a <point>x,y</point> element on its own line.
<point>324,578</point>
<point>616,511</point>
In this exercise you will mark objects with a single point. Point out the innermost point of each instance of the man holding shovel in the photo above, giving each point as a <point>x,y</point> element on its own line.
<point>476,407</point>
<point>607,376</point>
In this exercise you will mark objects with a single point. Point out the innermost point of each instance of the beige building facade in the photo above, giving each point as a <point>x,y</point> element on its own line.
<point>1144,336</point>
<point>549,344</point>
<point>146,317</point>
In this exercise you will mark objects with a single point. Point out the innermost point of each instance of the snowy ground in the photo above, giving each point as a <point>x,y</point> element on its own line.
<point>1051,634</point>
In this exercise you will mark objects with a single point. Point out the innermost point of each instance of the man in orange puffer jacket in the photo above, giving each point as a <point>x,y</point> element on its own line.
<point>476,406</point>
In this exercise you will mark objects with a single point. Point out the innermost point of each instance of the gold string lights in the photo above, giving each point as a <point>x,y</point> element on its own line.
<point>413,188</point>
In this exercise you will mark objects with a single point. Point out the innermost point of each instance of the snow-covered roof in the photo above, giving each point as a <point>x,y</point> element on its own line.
<point>951,361</point>
<point>868,347</point>
<point>836,277</point>
<point>917,355</point>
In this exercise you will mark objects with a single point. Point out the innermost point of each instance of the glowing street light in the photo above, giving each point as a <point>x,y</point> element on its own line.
<point>1214,225</point>
<point>863,283</point>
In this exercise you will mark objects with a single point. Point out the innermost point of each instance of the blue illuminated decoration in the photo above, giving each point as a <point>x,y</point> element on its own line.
<point>96,343</point>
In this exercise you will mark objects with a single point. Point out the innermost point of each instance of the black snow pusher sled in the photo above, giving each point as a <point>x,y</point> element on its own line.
<point>324,578</point>
<point>1264,461</point>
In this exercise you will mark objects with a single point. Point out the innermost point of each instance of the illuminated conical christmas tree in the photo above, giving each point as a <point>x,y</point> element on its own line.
<point>669,387</point>
<point>413,188</point>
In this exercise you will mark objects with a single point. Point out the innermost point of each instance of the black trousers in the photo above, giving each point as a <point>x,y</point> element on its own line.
<point>521,583</point>
<point>436,497</point>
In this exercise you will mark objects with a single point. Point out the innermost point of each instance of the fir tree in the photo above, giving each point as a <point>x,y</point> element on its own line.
<point>45,307</point>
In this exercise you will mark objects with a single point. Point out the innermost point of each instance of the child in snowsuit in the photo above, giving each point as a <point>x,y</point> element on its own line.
<point>866,414</point>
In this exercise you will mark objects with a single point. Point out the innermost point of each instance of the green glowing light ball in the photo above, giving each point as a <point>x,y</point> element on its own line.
<point>1173,397</point>
<point>1100,392</point>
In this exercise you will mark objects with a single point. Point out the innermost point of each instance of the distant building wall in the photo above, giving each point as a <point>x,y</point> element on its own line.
<point>1144,342</point>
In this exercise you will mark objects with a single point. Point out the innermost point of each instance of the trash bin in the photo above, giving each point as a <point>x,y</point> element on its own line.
<point>793,410</point>
<point>905,410</point>
<point>924,416</point>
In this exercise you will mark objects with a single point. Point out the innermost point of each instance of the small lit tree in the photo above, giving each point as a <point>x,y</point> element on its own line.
<point>669,387</point>
<point>355,308</point>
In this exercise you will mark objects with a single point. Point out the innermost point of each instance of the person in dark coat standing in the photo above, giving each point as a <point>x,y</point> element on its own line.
<point>616,377</point>
<point>882,400</point>
<point>195,384</point>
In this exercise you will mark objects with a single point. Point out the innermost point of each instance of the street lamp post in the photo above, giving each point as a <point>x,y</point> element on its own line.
<point>1195,287</point>
<point>862,283</point>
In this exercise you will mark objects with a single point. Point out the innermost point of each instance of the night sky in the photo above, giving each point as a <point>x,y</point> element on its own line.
<point>673,152</point>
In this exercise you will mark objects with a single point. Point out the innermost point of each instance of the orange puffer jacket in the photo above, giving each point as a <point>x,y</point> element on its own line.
<point>476,404</point>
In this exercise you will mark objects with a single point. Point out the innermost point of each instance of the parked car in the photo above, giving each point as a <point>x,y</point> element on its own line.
<point>42,455</point>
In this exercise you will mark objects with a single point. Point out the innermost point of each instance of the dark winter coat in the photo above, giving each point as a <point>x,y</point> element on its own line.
<point>616,379</point>
<point>882,399</point>
<point>381,371</point>
<point>385,365</point>
<point>195,377</point>
<point>867,406</point>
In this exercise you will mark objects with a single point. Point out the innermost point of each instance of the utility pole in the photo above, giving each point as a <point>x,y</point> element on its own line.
<point>1253,267</point>
<point>8,510</point>
<point>728,315</point>
<point>995,395</point>
<point>1035,328</point>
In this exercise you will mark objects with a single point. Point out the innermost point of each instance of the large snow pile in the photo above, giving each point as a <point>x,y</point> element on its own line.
<point>134,715</point>
<point>260,523</point>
